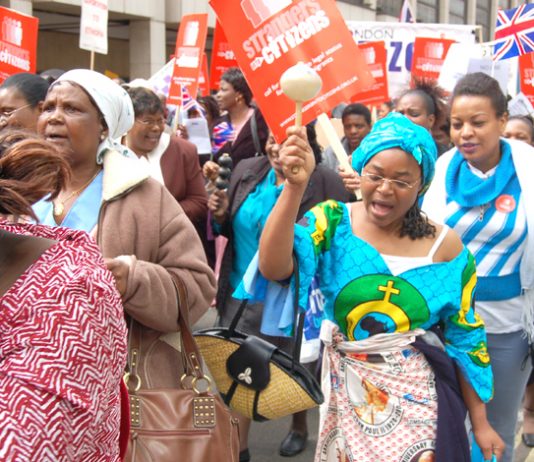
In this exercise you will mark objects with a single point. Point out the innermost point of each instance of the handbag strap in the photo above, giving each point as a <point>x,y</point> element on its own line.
<point>190,353</point>
<point>298,319</point>
<point>255,136</point>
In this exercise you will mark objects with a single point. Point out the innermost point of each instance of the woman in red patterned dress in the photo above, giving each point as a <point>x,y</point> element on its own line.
<point>62,330</point>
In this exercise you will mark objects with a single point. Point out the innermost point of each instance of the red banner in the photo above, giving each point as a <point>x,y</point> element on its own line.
<point>526,76</point>
<point>376,57</point>
<point>269,36</point>
<point>428,56</point>
<point>190,43</point>
<point>18,43</point>
<point>203,81</point>
<point>222,57</point>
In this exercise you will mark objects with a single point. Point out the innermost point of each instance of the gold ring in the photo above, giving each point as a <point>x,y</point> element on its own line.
<point>194,384</point>
<point>295,169</point>
<point>127,377</point>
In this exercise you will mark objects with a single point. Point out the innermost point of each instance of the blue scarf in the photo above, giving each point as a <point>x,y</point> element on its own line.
<point>468,190</point>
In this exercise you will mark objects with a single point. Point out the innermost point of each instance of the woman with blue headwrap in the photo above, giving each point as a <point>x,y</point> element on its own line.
<point>395,284</point>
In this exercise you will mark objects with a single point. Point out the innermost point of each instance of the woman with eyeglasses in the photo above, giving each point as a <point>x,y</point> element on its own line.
<point>173,161</point>
<point>148,243</point>
<point>483,190</point>
<point>21,100</point>
<point>405,353</point>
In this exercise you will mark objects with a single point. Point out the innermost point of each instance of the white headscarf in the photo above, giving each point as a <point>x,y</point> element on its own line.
<point>113,102</point>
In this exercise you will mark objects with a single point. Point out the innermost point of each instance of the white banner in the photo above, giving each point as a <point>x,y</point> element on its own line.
<point>399,38</point>
<point>94,26</point>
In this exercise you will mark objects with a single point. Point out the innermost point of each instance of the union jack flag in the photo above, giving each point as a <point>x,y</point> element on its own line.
<point>189,103</point>
<point>514,32</point>
<point>406,13</point>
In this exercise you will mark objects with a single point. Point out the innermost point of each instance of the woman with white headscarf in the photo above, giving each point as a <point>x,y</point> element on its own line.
<point>145,237</point>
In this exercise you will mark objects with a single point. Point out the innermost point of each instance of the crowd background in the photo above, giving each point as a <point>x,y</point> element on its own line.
<point>178,218</point>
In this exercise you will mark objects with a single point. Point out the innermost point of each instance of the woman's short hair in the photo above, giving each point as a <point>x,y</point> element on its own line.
<point>32,87</point>
<point>480,84</point>
<point>235,77</point>
<point>145,101</point>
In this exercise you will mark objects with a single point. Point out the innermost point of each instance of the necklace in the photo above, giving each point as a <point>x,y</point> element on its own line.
<point>59,205</point>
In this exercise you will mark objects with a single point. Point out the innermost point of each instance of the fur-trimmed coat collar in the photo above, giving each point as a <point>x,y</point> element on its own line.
<point>121,174</point>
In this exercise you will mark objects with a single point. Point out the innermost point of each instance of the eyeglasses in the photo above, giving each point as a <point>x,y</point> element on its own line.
<point>152,122</point>
<point>377,180</point>
<point>6,115</point>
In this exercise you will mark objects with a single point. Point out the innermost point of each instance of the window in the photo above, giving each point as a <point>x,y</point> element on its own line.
<point>457,12</point>
<point>483,17</point>
<point>504,4</point>
<point>390,7</point>
<point>428,11</point>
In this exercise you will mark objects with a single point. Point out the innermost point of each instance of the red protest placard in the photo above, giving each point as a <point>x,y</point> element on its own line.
<point>269,36</point>
<point>222,57</point>
<point>428,56</point>
<point>190,43</point>
<point>526,76</point>
<point>203,80</point>
<point>18,43</point>
<point>376,56</point>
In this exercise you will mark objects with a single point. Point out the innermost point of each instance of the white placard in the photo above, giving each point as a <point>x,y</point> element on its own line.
<point>199,134</point>
<point>520,105</point>
<point>499,70</point>
<point>94,26</point>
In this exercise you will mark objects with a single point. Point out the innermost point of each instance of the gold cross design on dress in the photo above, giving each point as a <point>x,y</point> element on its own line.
<point>388,290</point>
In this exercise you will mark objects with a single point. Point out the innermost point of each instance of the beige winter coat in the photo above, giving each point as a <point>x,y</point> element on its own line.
<point>139,218</point>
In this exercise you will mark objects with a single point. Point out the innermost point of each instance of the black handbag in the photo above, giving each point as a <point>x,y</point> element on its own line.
<point>253,376</point>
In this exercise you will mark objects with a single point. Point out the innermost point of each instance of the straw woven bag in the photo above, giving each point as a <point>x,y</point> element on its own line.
<point>254,377</point>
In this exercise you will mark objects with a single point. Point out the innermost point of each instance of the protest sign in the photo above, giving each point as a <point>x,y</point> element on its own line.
<point>526,75</point>
<point>18,44</point>
<point>520,105</point>
<point>190,42</point>
<point>203,80</point>
<point>375,54</point>
<point>399,38</point>
<point>94,26</point>
<point>222,57</point>
<point>428,56</point>
<point>499,70</point>
<point>270,36</point>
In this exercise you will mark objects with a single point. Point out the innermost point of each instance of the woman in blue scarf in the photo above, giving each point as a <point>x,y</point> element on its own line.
<point>484,191</point>
<point>395,284</point>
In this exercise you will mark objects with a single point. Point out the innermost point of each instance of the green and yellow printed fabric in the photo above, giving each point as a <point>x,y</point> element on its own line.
<point>364,298</point>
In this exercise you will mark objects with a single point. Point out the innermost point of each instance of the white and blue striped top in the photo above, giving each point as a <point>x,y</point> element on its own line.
<point>496,235</point>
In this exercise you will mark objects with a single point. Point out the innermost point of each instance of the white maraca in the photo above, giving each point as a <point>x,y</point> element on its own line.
<point>300,83</point>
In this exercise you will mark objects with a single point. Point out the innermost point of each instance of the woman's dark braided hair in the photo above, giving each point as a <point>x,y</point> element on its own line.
<point>416,224</point>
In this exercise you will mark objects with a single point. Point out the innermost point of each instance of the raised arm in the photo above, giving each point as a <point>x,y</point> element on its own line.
<point>276,243</point>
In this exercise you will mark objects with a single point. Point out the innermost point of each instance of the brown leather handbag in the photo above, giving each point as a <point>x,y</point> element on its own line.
<point>189,423</point>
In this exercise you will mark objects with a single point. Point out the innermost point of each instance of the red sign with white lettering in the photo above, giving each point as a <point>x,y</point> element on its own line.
<point>428,56</point>
<point>18,43</point>
<point>190,43</point>
<point>526,76</point>
<point>376,56</point>
<point>270,36</point>
<point>222,57</point>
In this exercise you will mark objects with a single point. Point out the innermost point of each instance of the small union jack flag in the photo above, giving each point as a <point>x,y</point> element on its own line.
<point>189,103</point>
<point>406,13</point>
<point>514,32</point>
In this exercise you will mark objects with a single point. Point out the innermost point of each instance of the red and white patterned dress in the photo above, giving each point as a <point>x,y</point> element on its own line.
<point>62,355</point>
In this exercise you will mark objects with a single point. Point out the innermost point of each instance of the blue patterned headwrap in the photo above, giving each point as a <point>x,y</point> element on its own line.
<point>397,131</point>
